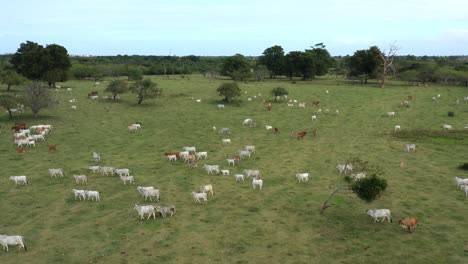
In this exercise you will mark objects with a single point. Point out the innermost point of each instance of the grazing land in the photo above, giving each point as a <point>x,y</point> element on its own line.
<point>279,224</point>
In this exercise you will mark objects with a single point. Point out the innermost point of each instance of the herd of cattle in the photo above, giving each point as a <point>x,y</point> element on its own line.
<point>25,136</point>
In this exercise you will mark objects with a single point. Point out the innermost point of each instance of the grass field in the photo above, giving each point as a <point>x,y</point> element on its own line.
<point>281,223</point>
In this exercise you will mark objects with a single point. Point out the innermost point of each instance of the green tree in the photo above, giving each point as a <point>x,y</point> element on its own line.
<point>117,87</point>
<point>38,97</point>
<point>81,71</point>
<point>237,67</point>
<point>29,60</point>
<point>278,92</point>
<point>320,59</point>
<point>229,91</point>
<point>134,73</point>
<point>8,102</point>
<point>10,78</point>
<point>293,64</point>
<point>273,59</point>
<point>368,188</point>
<point>145,89</point>
<point>58,64</point>
<point>364,64</point>
<point>260,72</point>
<point>50,64</point>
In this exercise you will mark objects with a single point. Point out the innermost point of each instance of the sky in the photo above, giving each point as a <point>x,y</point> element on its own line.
<point>228,27</point>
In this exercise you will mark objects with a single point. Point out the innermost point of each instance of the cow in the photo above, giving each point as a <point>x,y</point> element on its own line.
<point>269,107</point>
<point>13,240</point>
<point>52,147</point>
<point>315,103</point>
<point>409,224</point>
<point>301,134</point>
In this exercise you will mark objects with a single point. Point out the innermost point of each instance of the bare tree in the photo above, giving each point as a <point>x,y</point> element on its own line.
<point>387,61</point>
<point>38,97</point>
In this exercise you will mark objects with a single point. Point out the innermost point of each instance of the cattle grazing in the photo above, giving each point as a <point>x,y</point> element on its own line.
<point>316,102</point>
<point>465,189</point>
<point>126,179</point>
<point>207,189</point>
<point>73,107</point>
<point>164,210</point>
<point>247,121</point>
<point>149,192</point>
<point>79,193</point>
<point>80,178</point>
<point>105,170</point>
<point>94,169</point>
<point>122,172</point>
<point>172,157</point>
<point>250,148</point>
<point>226,140</point>
<point>190,149</point>
<point>314,117</point>
<point>52,147</point>
<point>277,131</point>
<point>409,224</point>
<point>446,127</point>
<point>55,172</point>
<point>302,177</point>
<point>198,196</point>
<point>13,240</point>
<point>93,195</point>
<point>268,127</point>
<point>141,189</point>
<point>302,105</point>
<point>145,209</point>
<point>269,107</point>
<point>224,131</point>
<point>225,172</point>
<point>132,128</point>
<point>201,155</point>
<point>461,181</point>
<point>220,106</point>
<point>239,177</point>
<point>244,153</point>
<point>384,213</point>
<point>211,168</point>
<point>19,179</point>
<point>397,128</point>
<point>391,114</point>
<point>300,134</point>
<point>409,148</point>
<point>252,173</point>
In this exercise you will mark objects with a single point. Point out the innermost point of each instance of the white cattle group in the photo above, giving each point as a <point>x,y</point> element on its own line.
<point>30,136</point>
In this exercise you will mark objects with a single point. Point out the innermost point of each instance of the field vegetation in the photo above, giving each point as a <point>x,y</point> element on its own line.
<point>279,224</point>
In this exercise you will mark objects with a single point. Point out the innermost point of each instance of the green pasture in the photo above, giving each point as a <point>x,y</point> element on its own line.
<point>279,224</point>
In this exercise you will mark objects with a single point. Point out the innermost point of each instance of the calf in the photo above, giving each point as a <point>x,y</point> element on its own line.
<point>164,210</point>
<point>409,224</point>
<point>302,177</point>
<point>301,135</point>
<point>316,102</point>
<point>21,150</point>
<point>257,182</point>
<point>226,140</point>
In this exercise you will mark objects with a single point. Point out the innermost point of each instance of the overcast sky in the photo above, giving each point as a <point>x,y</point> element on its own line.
<point>227,27</point>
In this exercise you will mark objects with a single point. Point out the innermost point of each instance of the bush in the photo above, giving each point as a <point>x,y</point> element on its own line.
<point>451,113</point>
<point>463,166</point>
<point>368,189</point>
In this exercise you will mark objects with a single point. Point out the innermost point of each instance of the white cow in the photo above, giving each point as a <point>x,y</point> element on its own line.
<point>247,121</point>
<point>105,170</point>
<point>465,189</point>
<point>226,140</point>
<point>93,195</point>
<point>410,148</point>
<point>231,162</point>
<point>171,209</point>
<point>225,172</point>
<point>145,209</point>
<point>199,196</point>
<point>220,106</point>
<point>96,157</point>
<point>122,172</point>
<point>257,182</point>
<point>19,179</point>
<point>461,181</point>
<point>207,189</point>
<point>314,117</point>
<point>376,213</point>
<point>73,107</point>
<point>244,153</point>
<point>391,114</point>
<point>302,177</point>
<point>359,175</point>
<point>79,193</point>
<point>302,105</point>
<point>239,177</point>
<point>124,179</point>
<point>268,127</point>
<point>344,168</point>
<point>141,189</point>
<point>397,128</point>
<point>172,157</point>
<point>201,155</point>
<point>55,172</point>
<point>147,192</point>
<point>12,240</point>
<point>250,148</point>
<point>190,149</point>
<point>447,127</point>
<point>80,178</point>
<point>211,168</point>
<point>94,169</point>
<point>252,173</point>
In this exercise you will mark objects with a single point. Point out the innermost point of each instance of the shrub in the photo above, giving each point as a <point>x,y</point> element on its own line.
<point>451,113</point>
<point>463,166</point>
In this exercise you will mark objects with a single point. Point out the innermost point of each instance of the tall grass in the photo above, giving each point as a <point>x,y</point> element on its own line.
<point>281,223</point>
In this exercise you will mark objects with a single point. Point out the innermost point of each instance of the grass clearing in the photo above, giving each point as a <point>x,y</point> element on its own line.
<point>281,223</point>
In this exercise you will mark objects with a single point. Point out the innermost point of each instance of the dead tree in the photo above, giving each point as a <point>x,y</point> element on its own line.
<point>387,61</point>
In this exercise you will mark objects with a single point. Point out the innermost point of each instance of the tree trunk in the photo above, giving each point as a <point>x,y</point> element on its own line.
<point>113,98</point>
<point>8,87</point>
<point>140,99</point>
<point>9,112</point>
<point>325,204</point>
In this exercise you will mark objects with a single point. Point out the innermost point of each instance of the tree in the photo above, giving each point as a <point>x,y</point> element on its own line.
<point>10,78</point>
<point>320,59</point>
<point>260,72</point>
<point>29,60</point>
<point>134,73</point>
<point>35,62</point>
<point>229,91</point>
<point>292,64</point>
<point>387,61</point>
<point>279,91</point>
<point>364,64</point>
<point>145,89</point>
<point>58,64</point>
<point>117,87</point>
<point>9,102</point>
<point>81,71</point>
<point>368,188</point>
<point>237,67</point>
<point>38,97</point>
<point>273,59</point>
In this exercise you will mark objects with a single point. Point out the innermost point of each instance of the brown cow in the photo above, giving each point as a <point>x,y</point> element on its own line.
<point>300,135</point>
<point>314,132</point>
<point>21,150</point>
<point>52,147</point>
<point>409,224</point>
<point>172,153</point>
<point>269,106</point>
<point>410,97</point>
<point>277,130</point>
<point>315,102</point>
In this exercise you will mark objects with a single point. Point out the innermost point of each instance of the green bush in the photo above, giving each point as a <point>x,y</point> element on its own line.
<point>463,166</point>
<point>451,113</point>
